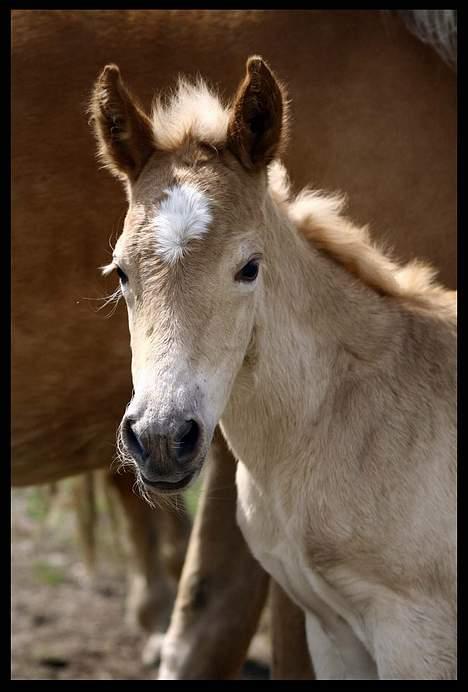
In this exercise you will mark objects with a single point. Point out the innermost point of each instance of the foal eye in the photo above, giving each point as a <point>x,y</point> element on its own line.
<point>249,272</point>
<point>122,276</point>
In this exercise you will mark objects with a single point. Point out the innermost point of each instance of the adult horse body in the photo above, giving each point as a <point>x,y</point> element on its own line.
<point>385,108</point>
<point>332,369</point>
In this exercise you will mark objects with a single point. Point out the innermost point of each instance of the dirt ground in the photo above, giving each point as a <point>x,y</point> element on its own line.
<point>67,624</point>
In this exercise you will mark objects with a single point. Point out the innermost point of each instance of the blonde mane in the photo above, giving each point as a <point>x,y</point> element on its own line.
<point>318,217</point>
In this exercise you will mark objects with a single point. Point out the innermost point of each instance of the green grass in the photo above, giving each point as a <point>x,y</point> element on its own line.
<point>48,574</point>
<point>37,504</point>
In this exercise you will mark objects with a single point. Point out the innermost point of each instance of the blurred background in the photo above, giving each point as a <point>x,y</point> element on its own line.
<point>69,588</point>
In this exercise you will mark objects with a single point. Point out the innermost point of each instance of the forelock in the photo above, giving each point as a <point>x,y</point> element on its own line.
<point>194,111</point>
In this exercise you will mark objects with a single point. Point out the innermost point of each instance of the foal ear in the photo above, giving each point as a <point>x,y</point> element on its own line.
<point>122,129</point>
<point>258,120</point>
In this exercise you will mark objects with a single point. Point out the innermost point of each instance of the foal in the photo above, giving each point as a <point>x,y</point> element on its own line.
<point>330,368</point>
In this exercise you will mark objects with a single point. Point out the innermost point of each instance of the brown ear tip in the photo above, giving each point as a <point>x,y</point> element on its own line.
<point>255,63</point>
<point>111,73</point>
<point>256,66</point>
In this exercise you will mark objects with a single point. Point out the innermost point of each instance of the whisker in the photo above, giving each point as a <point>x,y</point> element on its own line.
<point>113,298</point>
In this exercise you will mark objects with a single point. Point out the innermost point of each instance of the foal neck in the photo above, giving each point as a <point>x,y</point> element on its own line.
<point>315,328</point>
<point>320,301</point>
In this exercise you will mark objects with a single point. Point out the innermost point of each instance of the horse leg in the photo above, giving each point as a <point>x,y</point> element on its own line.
<point>152,590</point>
<point>290,653</point>
<point>222,589</point>
<point>175,530</point>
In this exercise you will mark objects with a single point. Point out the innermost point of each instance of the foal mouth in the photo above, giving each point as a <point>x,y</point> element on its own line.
<point>168,487</point>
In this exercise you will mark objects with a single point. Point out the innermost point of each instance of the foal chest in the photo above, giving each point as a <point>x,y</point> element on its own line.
<point>277,542</point>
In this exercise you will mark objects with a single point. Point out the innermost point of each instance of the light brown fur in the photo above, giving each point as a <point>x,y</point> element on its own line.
<point>334,375</point>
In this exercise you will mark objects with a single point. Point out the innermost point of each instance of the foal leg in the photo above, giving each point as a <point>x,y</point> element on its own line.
<point>336,652</point>
<point>290,653</point>
<point>151,592</point>
<point>222,589</point>
<point>416,640</point>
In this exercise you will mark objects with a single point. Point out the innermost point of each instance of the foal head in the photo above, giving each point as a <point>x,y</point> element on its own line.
<point>190,256</point>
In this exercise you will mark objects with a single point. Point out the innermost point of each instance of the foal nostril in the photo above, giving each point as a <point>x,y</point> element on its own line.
<point>158,449</point>
<point>132,441</point>
<point>186,440</point>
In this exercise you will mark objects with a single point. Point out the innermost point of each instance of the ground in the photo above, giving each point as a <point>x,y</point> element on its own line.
<point>66,623</point>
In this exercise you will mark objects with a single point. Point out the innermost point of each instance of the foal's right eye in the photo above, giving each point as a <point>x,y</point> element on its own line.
<point>122,276</point>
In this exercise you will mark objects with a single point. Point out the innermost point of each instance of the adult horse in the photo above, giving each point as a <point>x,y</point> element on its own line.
<point>384,109</point>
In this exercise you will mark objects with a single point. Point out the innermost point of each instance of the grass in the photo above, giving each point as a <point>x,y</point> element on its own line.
<point>48,574</point>
<point>37,504</point>
<point>57,513</point>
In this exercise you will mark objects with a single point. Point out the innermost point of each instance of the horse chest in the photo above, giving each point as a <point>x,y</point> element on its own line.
<point>277,543</point>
